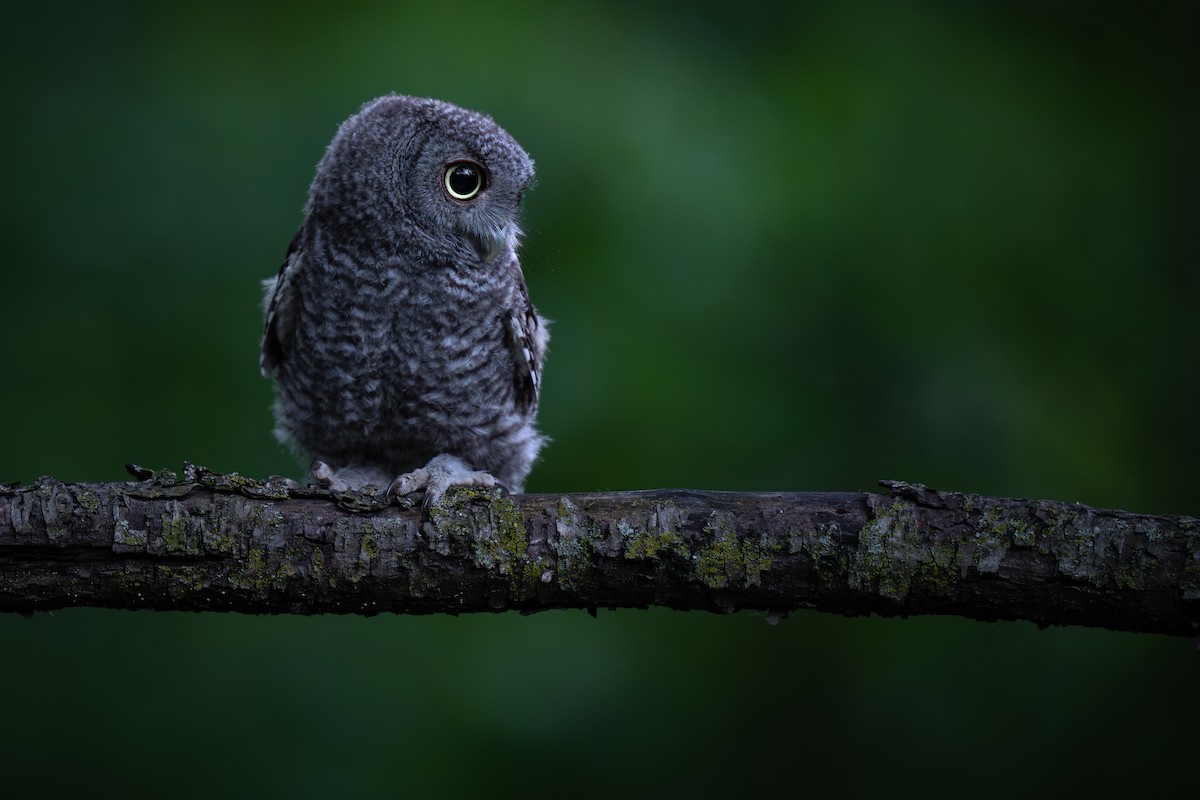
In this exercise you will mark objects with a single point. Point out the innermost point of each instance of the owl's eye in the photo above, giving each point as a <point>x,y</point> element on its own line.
<point>464,179</point>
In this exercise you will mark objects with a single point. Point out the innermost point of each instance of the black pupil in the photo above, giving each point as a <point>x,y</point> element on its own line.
<point>464,179</point>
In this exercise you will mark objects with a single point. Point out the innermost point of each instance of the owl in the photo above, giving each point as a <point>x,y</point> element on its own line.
<point>399,332</point>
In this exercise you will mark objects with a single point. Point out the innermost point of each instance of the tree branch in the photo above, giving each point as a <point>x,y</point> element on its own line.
<point>227,543</point>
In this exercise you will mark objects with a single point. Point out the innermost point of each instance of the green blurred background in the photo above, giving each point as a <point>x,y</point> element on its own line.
<point>792,246</point>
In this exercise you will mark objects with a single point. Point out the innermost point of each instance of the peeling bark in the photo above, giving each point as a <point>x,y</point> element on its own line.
<point>226,543</point>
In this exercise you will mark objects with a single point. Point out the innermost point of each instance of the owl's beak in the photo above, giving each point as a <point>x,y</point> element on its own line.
<point>498,240</point>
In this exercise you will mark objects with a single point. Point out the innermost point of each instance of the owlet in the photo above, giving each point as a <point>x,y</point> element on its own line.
<point>399,331</point>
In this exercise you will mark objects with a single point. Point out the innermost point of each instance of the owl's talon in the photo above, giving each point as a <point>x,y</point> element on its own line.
<point>322,475</point>
<point>408,483</point>
<point>438,476</point>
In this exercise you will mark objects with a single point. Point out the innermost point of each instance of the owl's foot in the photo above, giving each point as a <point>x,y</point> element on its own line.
<point>322,475</point>
<point>437,476</point>
<point>347,478</point>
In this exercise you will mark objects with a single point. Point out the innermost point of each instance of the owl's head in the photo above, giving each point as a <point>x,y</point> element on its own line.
<point>429,174</point>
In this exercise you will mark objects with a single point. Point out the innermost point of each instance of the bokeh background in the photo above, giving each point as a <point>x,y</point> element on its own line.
<point>788,246</point>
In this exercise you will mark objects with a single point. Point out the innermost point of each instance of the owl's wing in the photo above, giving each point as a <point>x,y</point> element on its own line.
<point>279,310</point>
<point>527,336</point>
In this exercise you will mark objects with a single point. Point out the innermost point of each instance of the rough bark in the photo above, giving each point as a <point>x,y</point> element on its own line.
<point>226,543</point>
